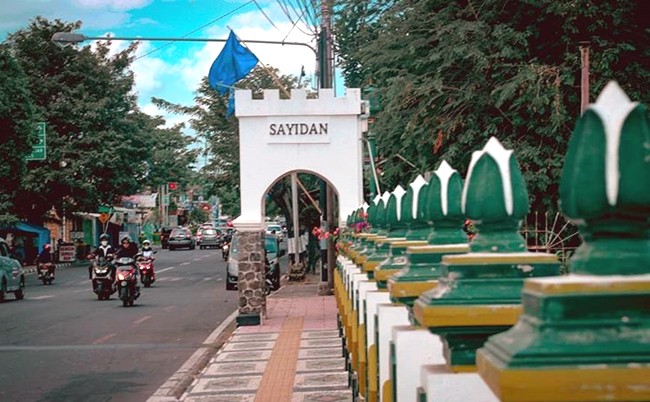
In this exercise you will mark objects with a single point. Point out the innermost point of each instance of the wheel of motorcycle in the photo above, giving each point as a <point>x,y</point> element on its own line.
<point>3,289</point>
<point>100,296</point>
<point>124,297</point>
<point>131,302</point>
<point>44,281</point>
<point>147,284</point>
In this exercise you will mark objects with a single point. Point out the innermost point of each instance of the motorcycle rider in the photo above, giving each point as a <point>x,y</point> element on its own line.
<point>103,250</point>
<point>46,257</point>
<point>147,252</point>
<point>129,249</point>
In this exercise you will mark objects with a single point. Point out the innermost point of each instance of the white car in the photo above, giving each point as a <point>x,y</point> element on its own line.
<point>277,229</point>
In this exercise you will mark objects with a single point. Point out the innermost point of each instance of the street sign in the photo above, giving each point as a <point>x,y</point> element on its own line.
<point>39,151</point>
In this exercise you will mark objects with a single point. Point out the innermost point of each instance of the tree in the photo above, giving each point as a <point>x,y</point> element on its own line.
<point>17,122</point>
<point>221,135</point>
<point>97,142</point>
<point>453,73</point>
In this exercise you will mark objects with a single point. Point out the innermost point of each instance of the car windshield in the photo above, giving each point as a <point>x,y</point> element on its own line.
<point>271,228</point>
<point>179,232</point>
<point>209,232</point>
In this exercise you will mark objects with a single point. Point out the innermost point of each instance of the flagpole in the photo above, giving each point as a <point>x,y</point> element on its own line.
<point>270,72</point>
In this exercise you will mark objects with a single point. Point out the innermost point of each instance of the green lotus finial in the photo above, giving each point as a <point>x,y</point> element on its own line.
<point>372,214</point>
<point>495,198</point>
<point>605,186</point>
<point>412,203</point>
<point>443,206</point>
<point>393,213</point>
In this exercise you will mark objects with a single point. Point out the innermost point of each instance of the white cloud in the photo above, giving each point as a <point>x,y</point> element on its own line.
<point>112,4</point>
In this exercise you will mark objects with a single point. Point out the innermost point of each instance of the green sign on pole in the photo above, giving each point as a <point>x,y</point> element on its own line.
<point>39,151</point>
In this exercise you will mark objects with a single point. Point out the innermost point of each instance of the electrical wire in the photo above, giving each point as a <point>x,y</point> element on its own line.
<point>264,14</point>
<point>285,8</point>
<point>195,30</point>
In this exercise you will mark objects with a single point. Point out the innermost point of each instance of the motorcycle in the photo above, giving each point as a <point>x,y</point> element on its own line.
<point>127,281</point>
<point>102,278</point>
<point>46,272</point>
<point>225,251</point>
<point>144,263</point>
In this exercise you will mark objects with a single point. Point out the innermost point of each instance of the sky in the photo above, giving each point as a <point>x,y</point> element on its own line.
<point>173,71</point>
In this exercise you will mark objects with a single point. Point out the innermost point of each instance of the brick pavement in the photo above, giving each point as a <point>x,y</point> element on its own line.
<point>295,355</point>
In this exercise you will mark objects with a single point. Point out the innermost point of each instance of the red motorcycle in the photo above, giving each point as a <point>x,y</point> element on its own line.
<point>145,266</point>
<point>127,280</point>
<point>46,272</point>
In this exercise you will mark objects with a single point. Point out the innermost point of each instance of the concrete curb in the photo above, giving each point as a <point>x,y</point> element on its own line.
<point>177,384</point>
<point>31,269</point>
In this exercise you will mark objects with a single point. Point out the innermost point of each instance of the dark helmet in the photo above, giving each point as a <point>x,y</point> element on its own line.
<point>104,236</point>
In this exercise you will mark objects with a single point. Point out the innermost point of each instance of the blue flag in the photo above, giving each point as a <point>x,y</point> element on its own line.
<point>233,63</point>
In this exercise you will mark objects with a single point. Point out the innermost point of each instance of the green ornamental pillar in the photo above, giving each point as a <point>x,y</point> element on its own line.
<point>479,293</point>
<point>377,250</point>
<point>439,207</point>
<point>398,228</point>
<point>586,336</point>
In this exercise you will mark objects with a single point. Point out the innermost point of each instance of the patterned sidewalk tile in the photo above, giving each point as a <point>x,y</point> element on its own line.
<point>321,342</point>
<point>329,396</point>
<point>220,398</point>
<point>242,356</point>
<point>235,368</point>
<point>227,384</point>
<point>314,381</point>
<point>241,346</point>
<point>320,334</point>
<point>319,352</point>
<point>307,365</point>
<point>242,337</point>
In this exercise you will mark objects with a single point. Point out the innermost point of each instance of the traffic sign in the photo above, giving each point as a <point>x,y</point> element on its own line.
<point>173,186</point>
<point>39,151</point>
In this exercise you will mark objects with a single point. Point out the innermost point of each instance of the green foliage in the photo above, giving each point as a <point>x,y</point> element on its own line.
<point>198,216</point>
<point>17,131</point>
<point>95,146</point>
<point>451,74</point>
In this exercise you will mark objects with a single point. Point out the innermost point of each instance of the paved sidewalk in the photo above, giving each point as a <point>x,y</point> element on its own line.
<point>294,356</point>
<point>31,269</point>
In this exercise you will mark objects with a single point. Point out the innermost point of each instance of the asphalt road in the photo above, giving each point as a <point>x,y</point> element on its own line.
<point>62,344</point>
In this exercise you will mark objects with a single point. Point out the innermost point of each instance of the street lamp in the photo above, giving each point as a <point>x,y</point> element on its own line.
<point>70,38</point>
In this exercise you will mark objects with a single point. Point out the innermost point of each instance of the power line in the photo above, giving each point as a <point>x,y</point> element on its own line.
<point>196,30</point>
<point>266,16</point>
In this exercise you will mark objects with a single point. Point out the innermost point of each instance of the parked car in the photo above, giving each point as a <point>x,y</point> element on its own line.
<point>181,237</point>
<point>273,227</point>
<point>12,276</point>
<point>272,254</point>
<point>164,236</point>
<point>232,266</point>
<point>208,237</point>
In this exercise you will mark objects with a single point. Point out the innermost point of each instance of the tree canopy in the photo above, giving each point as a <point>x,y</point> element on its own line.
<point>451,74</point>
<point>100,146</point>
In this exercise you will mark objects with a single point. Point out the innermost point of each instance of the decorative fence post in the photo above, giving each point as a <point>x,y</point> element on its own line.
<point>586,336</point>
<point>479,293</point>
<point>439,208</point>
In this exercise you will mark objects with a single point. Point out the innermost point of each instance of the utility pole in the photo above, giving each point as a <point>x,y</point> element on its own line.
<point>326,74</point>
<point>584,76</point>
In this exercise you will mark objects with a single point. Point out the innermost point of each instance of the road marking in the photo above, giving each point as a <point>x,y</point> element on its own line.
<point>176,279</point>
<point>166,269</point>
<point>41,297</point>
<point>207,279</point>
<point>169,308</point>
<point>104,338</point>
<point>186,263</point>
<point>141,320</point>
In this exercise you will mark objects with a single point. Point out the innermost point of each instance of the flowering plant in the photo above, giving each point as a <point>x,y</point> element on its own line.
<point>324,234</point>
